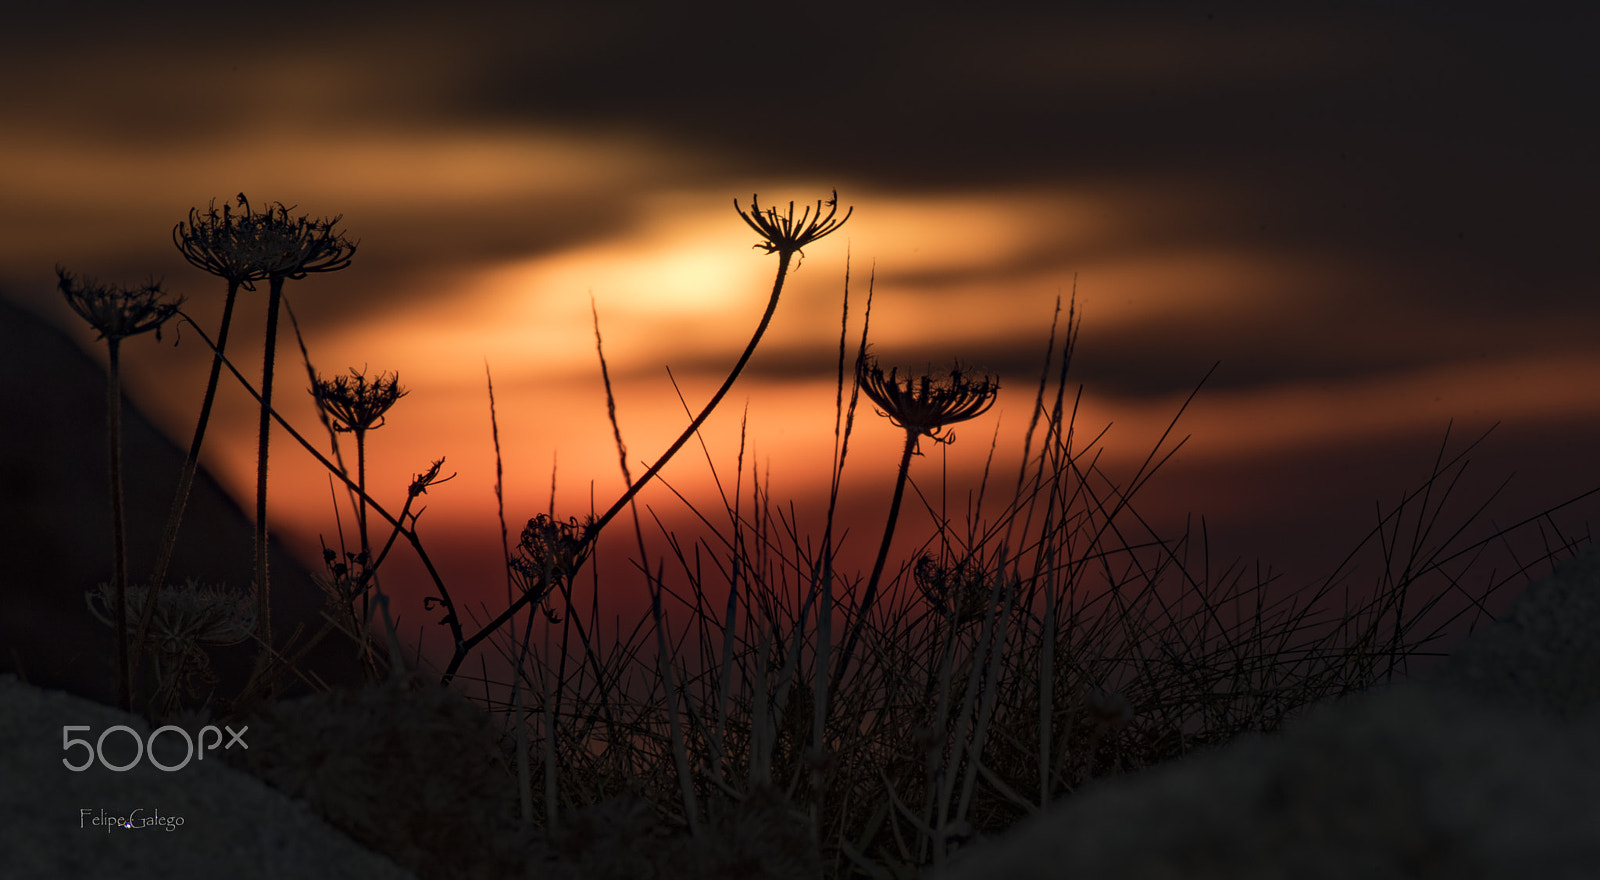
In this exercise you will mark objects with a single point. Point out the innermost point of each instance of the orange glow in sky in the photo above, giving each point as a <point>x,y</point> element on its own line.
<point>494,236</point>
<point>680,287</point>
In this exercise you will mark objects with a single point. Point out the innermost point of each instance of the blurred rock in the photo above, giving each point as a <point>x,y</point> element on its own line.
<point>201,819</point>
<point>1485,768</point>
<point>55,523</point>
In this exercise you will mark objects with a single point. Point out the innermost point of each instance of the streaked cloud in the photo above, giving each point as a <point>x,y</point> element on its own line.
<point>1376,219</point>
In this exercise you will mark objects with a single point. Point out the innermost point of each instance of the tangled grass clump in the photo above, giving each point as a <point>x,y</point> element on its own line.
<point>413,770</point>
<point>405,767</point>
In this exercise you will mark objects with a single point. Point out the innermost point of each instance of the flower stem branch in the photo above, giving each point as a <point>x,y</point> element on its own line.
<point>922,406</point>
<point>119,538</point>
<point>180,498</point>
<point>784,235</point>
<point>264,431</point>
<point>878,565</point>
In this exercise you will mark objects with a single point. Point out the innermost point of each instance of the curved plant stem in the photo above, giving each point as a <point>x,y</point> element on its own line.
<point>361,514</point>
<point>761,329</point>
<point>464,646</point>
<point>263,589</point>
<point>877,566</point>
<point>180,498</point>
<point>118,537</point>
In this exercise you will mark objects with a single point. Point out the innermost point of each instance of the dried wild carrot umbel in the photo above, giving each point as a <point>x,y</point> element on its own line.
<point>357,406</point>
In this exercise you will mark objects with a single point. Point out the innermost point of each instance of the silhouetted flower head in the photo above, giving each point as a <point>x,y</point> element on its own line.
<point>220,243</point>
<point>549,550</point>
<point>959,592</point>
<point>245,246</point>
<point>186,618</point>
<point>786,235</point>
<point>185,615</point>
<point>345,580</point>
<point>428,478</point>
<point>926,405</point>
<point>356,404</point>
<point>115,311</point>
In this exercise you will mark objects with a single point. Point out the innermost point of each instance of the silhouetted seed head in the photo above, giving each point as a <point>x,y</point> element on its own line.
<point>344,579</point>
<point>959,592</point>
<point>246,247</point>
<point>356,404</point>
<point>115,311</point>
<point>784,234</point>
<point>549,550</point>
<point>186,618</point>
<point>925,405</point>
<point>423,481</point>
<point>221,244</point>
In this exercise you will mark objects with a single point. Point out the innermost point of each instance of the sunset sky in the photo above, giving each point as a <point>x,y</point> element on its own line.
<point>1378,217</point>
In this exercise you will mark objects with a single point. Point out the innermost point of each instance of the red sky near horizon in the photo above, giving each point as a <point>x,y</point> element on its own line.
<point>1361,215</point>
